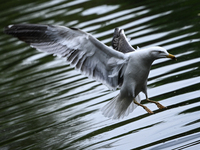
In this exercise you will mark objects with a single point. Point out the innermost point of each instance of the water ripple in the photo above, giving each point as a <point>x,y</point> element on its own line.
<point>46,104</point>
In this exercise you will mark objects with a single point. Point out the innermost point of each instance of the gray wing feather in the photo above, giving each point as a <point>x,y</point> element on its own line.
<point>81,50</point>
<point>120,43</point>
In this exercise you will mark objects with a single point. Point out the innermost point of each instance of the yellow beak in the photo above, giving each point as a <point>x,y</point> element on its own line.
<point>171,56</point>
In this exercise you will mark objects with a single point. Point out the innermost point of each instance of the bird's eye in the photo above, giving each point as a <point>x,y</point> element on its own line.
<point>159,52</point>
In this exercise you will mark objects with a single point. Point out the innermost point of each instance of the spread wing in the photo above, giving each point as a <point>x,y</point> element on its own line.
<point>120,43</point>
<point>81,50</point>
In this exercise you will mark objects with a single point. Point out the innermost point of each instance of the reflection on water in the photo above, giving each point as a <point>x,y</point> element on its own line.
<point>46,104</point>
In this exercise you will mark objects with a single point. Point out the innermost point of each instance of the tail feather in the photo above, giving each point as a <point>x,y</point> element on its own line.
<point>119,107</point>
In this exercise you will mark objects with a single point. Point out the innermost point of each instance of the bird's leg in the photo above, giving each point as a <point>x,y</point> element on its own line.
<point>157,103</point>
<point>147,109</point>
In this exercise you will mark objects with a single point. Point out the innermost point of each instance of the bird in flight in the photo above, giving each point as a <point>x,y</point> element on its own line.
<point>120,67</point>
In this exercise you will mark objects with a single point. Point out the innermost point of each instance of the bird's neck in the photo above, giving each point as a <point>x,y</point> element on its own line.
<point>143,59</point>
<point>146,59</point>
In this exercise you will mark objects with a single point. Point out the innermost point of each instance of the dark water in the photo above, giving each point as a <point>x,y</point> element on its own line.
<point>46,104</point>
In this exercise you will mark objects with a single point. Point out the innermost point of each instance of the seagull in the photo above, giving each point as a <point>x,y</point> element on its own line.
<point>120,67</point>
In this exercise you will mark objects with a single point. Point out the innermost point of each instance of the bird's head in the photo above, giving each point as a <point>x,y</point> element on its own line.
<point>159,52</point>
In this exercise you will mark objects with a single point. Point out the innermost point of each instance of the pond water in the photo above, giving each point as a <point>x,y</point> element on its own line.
<point>46,104</point>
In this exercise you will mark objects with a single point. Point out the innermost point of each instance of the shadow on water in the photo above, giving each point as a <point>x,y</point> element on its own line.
<point>46,104</point>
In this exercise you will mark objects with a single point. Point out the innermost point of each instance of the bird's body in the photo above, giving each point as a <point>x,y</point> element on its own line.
<point>137,76</point>
<point>136,82</point>
<point>124,67</point>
